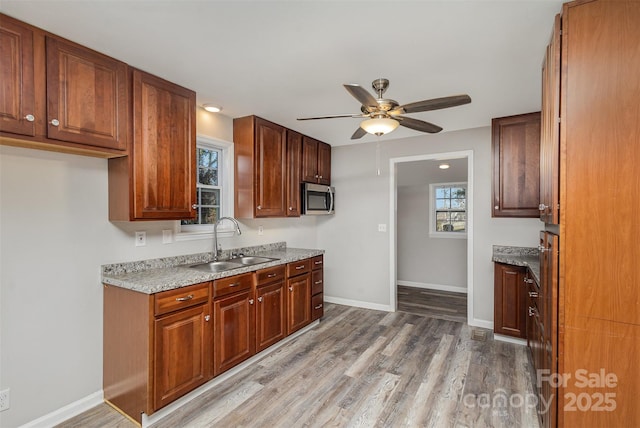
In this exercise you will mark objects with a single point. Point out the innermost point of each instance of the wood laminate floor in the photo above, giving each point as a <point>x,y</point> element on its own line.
<point>433,303</point>
<point>366,368</point>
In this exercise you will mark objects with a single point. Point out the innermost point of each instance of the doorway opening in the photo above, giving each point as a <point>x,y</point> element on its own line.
<point>426,236</point>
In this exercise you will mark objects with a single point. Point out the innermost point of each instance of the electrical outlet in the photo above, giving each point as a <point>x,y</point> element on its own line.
<point>167,236</point>
<point>141,239</point>
<point>4,400</point>
<point>382,228</point>
<point>260,230</point>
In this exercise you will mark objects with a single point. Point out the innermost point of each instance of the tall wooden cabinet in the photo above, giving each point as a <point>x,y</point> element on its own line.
<point>294,172</point>
<point>598,322</point>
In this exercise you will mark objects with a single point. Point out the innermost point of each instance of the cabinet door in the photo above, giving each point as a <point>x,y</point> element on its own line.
<point>164,149</point>
<point>270,315</point>
<point>516,165</point>
<point>270,174</point>
<point>309,160</point>
<point>550,131</point>
<point>17,97</point>
<point>298,302</point>
<point>510,300</point>
<point>181,353</point>
<point>234,329</point>
<point>87,98</point>
<point>294,165</point>
<point>324,163</point>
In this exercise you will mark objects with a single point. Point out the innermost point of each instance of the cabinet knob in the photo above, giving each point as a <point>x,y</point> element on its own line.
<point>542,249</point>
<point>55,122</point>
<point>260,299</point>
<point>30,118</point>
<point>290,288</point>
<point>207,318</point>
<point>251,301</point>
<point>290,208</point>
<point>259,207</point>
<point>542,207</point>
<point>496,207</point>
<point>320,177</point>
<point>194,206</point>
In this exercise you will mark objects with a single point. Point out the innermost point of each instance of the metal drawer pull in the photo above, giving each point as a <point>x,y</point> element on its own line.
<point>318,307</point>
<point>533,294</point>
<point>272,275</point>
<point>184,299</point>
<point>235,284</point>
<point>532,311</point>
<point>317,263</point>
<point>299,267</point>
<point>318,282</point>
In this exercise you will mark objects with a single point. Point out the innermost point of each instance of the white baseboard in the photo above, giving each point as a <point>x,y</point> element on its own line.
<point>67,412</point>
<point>358,304</point>
<point>509,339</point>
<point>481,323</point>
<point>440,287</point>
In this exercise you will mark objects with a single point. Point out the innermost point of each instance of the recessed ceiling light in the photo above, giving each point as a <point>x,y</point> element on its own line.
<point>443,166</point>
<point>212,108</point>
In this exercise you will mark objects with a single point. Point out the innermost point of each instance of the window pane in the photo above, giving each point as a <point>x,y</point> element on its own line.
<point>208,176</point>
<point>443,204</point>
<point>209,196</point>
<point>457,192</point>
<point>442,192</point>
<point>458,204</point>
<point>208,158</point>
<point>209,215</point>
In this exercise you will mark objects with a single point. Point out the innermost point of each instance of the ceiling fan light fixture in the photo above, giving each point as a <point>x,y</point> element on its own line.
<point>443,165</point>
<point>379,125</point>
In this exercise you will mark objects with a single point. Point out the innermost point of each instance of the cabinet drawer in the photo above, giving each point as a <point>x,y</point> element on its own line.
<point>232,284</point>
<point>317,306</point>
<point>169,301</point>
<point>317,262</point>
<point>266,276</point>
<point>298,268</point>
<point>317,282</point>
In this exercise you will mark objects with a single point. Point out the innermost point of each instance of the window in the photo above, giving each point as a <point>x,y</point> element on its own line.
<point>448,218</point>
<point>214,189</point>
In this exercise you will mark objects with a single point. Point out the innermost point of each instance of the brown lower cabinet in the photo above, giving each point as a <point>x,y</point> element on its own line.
<point>317,287</point>
<point>510,301</point>
<point>158,347</point>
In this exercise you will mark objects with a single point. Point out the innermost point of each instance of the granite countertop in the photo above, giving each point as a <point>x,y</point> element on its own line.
<point>519,256</point>
<point>156,275</point>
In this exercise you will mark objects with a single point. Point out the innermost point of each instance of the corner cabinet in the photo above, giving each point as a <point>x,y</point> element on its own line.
<point>516,165</point>
<point>157,180</point>
<point>59,95</point>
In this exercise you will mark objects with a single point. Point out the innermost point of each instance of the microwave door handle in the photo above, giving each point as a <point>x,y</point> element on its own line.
<point>331,196</point>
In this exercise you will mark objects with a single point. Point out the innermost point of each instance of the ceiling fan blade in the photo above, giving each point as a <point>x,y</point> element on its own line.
<point>358,134</point>
<point>333,116</point>
<point>362,95</point>
<point>432,104</point>
<point>418,125</point>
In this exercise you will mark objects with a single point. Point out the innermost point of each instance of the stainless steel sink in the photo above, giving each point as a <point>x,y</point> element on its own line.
<point>219,266</point>
<point>223,265</point>
<point>252,260</point>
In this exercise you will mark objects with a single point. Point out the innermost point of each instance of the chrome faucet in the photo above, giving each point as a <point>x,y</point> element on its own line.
<point>216,251</point>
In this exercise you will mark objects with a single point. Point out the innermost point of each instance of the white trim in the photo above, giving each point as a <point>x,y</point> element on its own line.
<point>481,323</point>
<point>170,408</point>
<point>358,304</point>
<point>67,412</point>
<point>509,339</point>
<point>393,208</point>
<point>440,287</point>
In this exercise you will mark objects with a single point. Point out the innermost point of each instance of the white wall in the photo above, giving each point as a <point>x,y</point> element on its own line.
<point>54,236</point>
<point>357,259</point>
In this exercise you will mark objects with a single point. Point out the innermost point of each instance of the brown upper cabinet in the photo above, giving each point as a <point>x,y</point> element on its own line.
<point>516,165</point>
<point>316,161</point>
<point>294,171</point>
<point>260,167</point>
<point>157,181</point>
<point>60,95</point>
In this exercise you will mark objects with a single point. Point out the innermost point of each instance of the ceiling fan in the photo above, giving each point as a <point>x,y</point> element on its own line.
<point>384,115</point>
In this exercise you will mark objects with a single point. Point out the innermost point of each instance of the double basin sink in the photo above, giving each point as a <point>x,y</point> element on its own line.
<point>234,263</point>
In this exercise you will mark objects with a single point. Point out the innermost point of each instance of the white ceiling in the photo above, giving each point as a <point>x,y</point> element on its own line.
<point>288,59</point>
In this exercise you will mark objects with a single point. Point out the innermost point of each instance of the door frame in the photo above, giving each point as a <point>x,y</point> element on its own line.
<point>393,211</point>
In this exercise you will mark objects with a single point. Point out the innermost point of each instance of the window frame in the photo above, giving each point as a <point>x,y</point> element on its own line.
<point>189,232</point>
<point>433,233</point>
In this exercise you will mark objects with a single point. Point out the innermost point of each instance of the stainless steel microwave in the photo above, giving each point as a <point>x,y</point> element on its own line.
<point>318,199</point>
